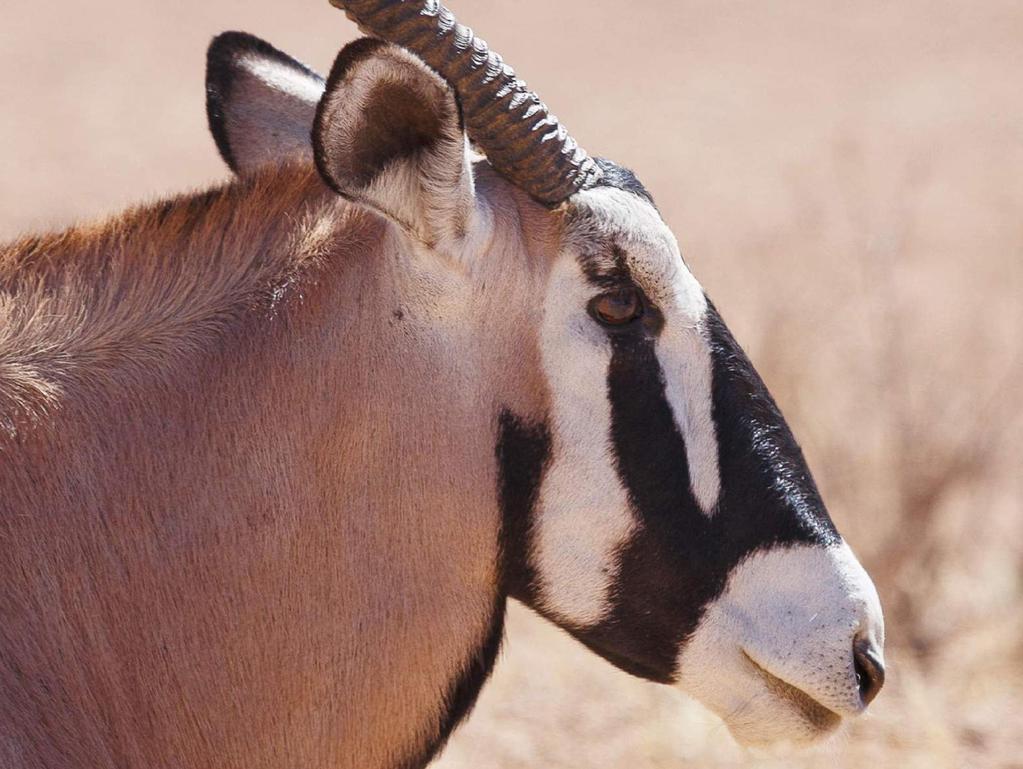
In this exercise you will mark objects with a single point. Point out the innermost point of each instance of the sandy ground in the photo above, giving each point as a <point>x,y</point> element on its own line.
<point>846,180</point>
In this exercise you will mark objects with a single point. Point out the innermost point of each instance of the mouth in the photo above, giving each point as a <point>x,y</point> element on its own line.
<point>822,718</point>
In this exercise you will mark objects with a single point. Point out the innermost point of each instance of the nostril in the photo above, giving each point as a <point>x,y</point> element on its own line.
<point>869,669</point>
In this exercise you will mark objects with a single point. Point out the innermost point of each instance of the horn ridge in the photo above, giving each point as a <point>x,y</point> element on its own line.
<point>523,141</point>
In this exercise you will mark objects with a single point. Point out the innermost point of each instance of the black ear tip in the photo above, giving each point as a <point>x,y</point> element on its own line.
<point>224,66</point>
<point>234,39</point>
<point>220,74</point>
<point>221,55</point>
<point>227,46</point>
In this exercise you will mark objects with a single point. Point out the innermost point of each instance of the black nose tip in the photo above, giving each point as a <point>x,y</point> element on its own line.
<point>869,669</point>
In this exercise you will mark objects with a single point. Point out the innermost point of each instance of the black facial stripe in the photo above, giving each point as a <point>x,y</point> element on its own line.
<point>760,461</point>
<point>679,560</point>
<point>660,590</point>
<point>522,453</point>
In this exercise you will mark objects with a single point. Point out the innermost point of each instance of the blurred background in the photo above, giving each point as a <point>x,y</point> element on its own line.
<point>846,180</point>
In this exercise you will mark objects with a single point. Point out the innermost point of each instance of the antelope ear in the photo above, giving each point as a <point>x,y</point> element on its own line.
<point>388,134</point>
<point>259,101</point>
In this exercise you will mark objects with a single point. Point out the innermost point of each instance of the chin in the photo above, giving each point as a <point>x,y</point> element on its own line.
<point>759,709</point>
<point>781,722</point>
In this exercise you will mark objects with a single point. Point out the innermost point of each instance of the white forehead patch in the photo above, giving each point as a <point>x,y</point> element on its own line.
<point>655,262</point>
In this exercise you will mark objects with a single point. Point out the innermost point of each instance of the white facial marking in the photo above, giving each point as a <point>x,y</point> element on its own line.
<point>656,264</point>
<point>686,362</point>
<point>583,515</point>
<point>794,612</point>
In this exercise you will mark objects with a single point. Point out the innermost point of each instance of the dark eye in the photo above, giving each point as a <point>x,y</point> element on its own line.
<point>616,308</point>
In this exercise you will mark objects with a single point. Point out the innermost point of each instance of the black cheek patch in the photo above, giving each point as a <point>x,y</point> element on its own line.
<point>679,559</point>
<point>522,451</point>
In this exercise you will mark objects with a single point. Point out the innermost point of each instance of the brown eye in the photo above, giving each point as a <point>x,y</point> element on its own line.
<point>616,308</point>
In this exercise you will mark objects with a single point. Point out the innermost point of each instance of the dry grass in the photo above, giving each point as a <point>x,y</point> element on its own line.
<point>846,180</point>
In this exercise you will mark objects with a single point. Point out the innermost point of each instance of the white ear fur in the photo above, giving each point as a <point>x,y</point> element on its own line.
<point>259,101</point>
<point>388,134</point>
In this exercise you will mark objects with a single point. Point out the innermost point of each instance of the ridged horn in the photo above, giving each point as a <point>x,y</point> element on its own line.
<point>522,140</point>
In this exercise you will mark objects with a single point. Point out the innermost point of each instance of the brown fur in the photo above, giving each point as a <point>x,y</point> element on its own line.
<point>247,485</point>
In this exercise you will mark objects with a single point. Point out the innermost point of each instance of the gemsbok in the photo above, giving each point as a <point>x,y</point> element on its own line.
<point>274,456</point>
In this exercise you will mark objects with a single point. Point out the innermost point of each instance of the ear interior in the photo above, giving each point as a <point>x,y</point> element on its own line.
<point>396,124</point>
<point>260,102</point>
<point>383,106</point>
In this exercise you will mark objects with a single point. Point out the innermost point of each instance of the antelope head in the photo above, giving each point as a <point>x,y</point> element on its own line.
<point>656,505</point>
